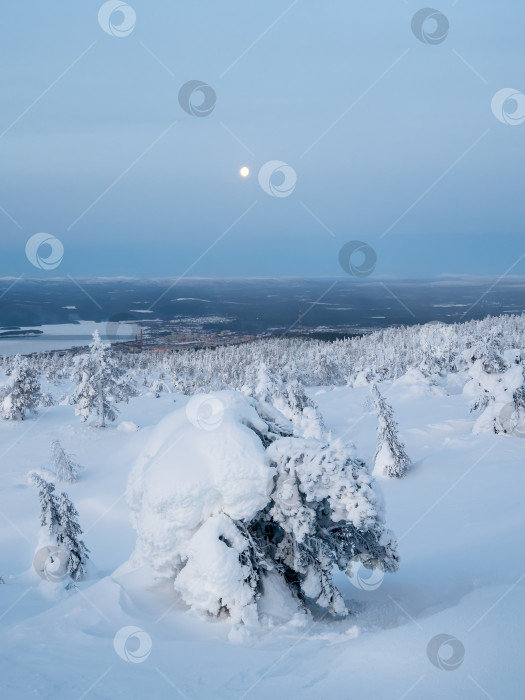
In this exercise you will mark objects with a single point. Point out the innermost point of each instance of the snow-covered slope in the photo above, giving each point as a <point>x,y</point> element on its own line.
<point>123,633</point>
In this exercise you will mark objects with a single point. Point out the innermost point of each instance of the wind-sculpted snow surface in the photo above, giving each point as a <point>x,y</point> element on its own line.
<point>220,499</point>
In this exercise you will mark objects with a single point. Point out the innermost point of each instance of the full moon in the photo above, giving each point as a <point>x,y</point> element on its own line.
<point>244,171</point>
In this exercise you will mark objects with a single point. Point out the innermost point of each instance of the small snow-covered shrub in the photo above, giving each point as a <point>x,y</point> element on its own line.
<point>66,469</point>
<point>222,501</point>
<point>415,384</point>
<point>391,459</point>
<point>60,527</point>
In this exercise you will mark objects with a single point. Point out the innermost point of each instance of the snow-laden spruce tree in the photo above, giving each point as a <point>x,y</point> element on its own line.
<point>49,518</point>
<point>69,538</point>
<point>101,383</point>
<point>494,387</point>
<point>323,515</point>
<point>391,459</point>
<point>512,417</point>
<point>436,343</point>
<point>242,506</point>
<point>64,465</point>
<point>54,368</point>
<point>58,518</point>
<point>493,394</point>
<point>268,384</point>
<point>493,356</point>
<point>46,400</point>
<point>158,385</point>
<point>486,347</point>
<point>22,392</point>
<point>298,407</point>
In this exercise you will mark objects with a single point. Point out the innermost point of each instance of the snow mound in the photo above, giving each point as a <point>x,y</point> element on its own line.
<point>202,460</point>
<point>415,384</point>
<point>214,578</point>
<point>127,426</point>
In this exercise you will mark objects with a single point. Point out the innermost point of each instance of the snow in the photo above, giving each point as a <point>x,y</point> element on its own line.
<point>414,383</point>
<point>383,460</point>
<point>458,515</point>
<point>127,426</point>
<point>498,390</point>
<point>213,576</point>
<point>189,472</point>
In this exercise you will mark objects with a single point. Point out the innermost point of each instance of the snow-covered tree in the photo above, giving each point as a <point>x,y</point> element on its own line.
<point>257,503</point>
<point>497,397</point>
<point>22,392</point>
<point>512,418</point>
<point>58,517</point>
<point>69,538</point>
<point>101,383</point>
<point>493,355</point>
<point>46,400</point>
<point>49,517</point>
<point>158,385</point>
<point>296,397</point>
<point>298,407</point>
<point>268,384</point>
<point>391,459</point>
<point>323,514</point>
<point>54,369</point>
<point>64,466</point>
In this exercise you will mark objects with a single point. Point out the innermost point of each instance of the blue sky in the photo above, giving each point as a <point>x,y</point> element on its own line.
<point>409,136</point>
